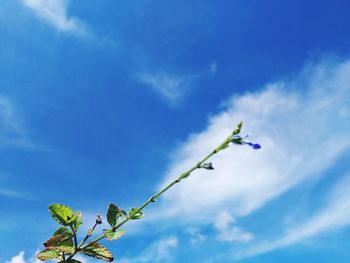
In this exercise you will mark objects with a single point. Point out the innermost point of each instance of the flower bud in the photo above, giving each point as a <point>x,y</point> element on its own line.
<point>207,166</point>
<point>99,220</point>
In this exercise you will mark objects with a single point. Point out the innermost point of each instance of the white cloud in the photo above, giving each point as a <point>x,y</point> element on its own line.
<point>13,194</point>
<point>223,220</point>
<point>213,68</point>
<point>196,236</point>
<point>12,131</point>
<point>334,215</point>
<point>55,12</point>
<point>158,251</point>
<point>234,234</point>
<point>229,232</point>
<point>170,87</point>
<point>20,259</point>
<point>173,87</point>
<point>303,125</point>
<point>293,128</point>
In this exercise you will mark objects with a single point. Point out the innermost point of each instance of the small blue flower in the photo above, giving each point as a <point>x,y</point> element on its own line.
<point>238,139</point>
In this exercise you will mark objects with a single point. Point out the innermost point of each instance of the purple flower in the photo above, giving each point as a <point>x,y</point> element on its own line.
<point>238,139</point>
<point>98,219</point>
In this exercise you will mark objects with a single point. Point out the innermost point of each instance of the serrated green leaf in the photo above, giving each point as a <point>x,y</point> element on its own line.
<point>61,213</point>
<point>113,235</point>
<point>137,215</point>
<point>123,213</point>
<point>113,214</point>
<point>48,253</point>
<point>62,230</point>
<point>96,250</point>
<point>76,220</point>
<point>62,242</point>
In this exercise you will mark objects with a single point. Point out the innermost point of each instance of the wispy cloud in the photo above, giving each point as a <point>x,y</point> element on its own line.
<point>171,88</point>
<point>55,12</point>
<point>12,130</point>
<point>333,216</point>
<point>213,68</point>
<point>294,120</point>
<point>158,251</point>
<point>13,194</point>
<point>196,235</point>
<point>13,134</point>
<point>224,224</point>
<point>303,124</point>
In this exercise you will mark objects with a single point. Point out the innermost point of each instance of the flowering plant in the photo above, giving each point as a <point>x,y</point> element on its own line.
<point>63,245</point>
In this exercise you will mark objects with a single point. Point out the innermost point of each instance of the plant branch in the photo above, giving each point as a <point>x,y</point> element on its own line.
<point>74,236</point>
<point>167,187</point>
<point>89,233</point>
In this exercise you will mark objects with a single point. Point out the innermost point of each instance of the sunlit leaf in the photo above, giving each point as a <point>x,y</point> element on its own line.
<point>62,242</point>
<point>137,215</point>
<point>62,230</point>
<point>61,213</point>
<point>113,235</point>
<point>76,220</point>
<point>96,250</point>
<point>49,254</point>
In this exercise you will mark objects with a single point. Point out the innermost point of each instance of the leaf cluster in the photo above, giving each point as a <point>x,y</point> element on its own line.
<point>62,246</point>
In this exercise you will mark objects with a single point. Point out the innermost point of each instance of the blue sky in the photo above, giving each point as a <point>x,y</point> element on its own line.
<point>106,101</point>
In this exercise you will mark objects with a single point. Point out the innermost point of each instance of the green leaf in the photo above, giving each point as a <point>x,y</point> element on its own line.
<point>137,215</point>
<point>113,214</point>
<point>113,235</point>
<point>62,242</point>
<point>49,253</point>
<point>76,220</point>
<point>62,230</point>
<point>71,261</point>
<point>123,213</point>
<point>61,213</point>
<point>96,250</point>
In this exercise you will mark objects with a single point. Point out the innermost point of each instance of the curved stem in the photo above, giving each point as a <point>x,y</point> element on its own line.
<point>153,198</point>
<point>167,187</point>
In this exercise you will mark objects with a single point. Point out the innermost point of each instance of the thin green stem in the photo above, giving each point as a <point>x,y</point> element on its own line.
<point>155,196</point>
<point>89,233</point>
<point>75,243</point>
<point>167,187</point>
<point>74,237</point>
